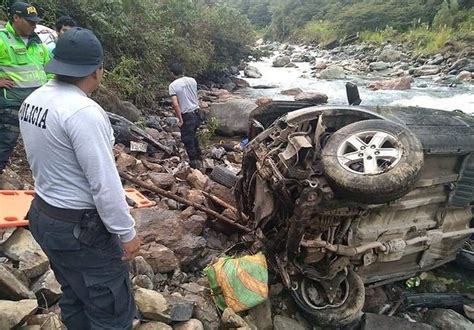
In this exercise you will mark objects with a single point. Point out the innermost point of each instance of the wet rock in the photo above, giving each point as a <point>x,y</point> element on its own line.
<point>124,161</point>
<point>284,323</point>
<point>13,313</point>
<point>11,288</point>
<point>22,247</point>
<point>231,320</point>
<point>447,319</point>
<point>229,85</point>
<point>281,61</point>
<point>292,91</point>
<point>139,266</point>
<point>162,180</point>
<point>240,83</point>
<point>142,281</point>
<point>154,325</point>
<point>401,83</point>
<point>390,55</point>
<point>252,72</point>
<point>261,315</point>
<point>159,257</point>
<point>426,70</point>
<point>314,98</point>
<point>47,289</point>
<point>192,324</point>
<point>151,304</point>
<point>49,321</point>
<point>464,76</point>
<point>129,110</point>
<point>197,180</point>
<point>263,101</point>
<point>382,322</point>
<point>378,66</point>
<point>332,72</point>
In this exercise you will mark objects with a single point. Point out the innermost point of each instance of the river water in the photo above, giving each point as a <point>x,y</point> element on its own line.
<point>424,92</point>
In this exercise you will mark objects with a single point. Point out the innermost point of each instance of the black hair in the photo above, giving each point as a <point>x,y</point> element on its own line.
<point>65,21</point>
<point>69,79</point>
<point>177,69</point>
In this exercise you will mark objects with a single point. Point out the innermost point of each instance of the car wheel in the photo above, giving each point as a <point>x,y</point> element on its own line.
<point>465,257</point>
<point>372,161</point>
<point>344,309</point>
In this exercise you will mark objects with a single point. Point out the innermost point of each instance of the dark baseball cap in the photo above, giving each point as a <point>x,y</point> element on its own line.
<point>78,53</point>
<point>25,10</point>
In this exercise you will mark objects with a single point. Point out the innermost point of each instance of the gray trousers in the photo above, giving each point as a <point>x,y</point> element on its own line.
<point>93,278</point>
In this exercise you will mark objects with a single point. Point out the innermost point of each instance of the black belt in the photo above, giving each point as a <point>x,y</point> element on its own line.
<point>68,215</point>
<point>191,112</point>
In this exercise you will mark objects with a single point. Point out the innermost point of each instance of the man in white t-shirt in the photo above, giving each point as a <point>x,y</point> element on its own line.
<point>79,215</point>
<point>185,100</point>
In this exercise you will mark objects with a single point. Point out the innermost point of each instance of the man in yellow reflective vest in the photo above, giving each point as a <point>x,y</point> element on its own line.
<point>22,60</point>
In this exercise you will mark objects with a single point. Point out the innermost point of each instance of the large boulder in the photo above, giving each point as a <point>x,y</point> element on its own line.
<point>14,313</point>
<point>332,72</point>
<point>314,98</point>
<point>281,61</point>
<point>232,116</point>
<point>401,83</point>
<point>252,72</point>
<point>390,55</point>
<point>110,102</point>
<point>22,247</point>
<point>165,227</point>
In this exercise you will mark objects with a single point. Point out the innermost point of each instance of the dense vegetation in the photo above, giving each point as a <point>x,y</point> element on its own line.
<point>142,37</point>
<point>428,24</point>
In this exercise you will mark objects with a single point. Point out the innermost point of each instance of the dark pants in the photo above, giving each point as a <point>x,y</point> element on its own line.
<point>9,132</point>
<point>93,278</point>
<point>191,122</point>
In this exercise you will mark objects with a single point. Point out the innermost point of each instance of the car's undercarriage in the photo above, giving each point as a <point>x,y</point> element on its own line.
<point>339,197</point>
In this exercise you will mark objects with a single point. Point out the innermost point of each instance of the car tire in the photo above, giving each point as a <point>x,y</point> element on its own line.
<point>465,257</point>
<point>339,316</point>
<point>224,176</point>
<point>372,161</point>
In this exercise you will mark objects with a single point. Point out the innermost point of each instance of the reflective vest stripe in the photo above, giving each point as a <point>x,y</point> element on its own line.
<point>21,70</point>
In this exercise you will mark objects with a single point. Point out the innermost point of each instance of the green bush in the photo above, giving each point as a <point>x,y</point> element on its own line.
<point>379,36</point>
<point>320,32</point>
<point>141,38</point>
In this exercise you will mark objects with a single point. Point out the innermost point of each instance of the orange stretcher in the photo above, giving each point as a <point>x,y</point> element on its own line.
<point>14,205</point>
